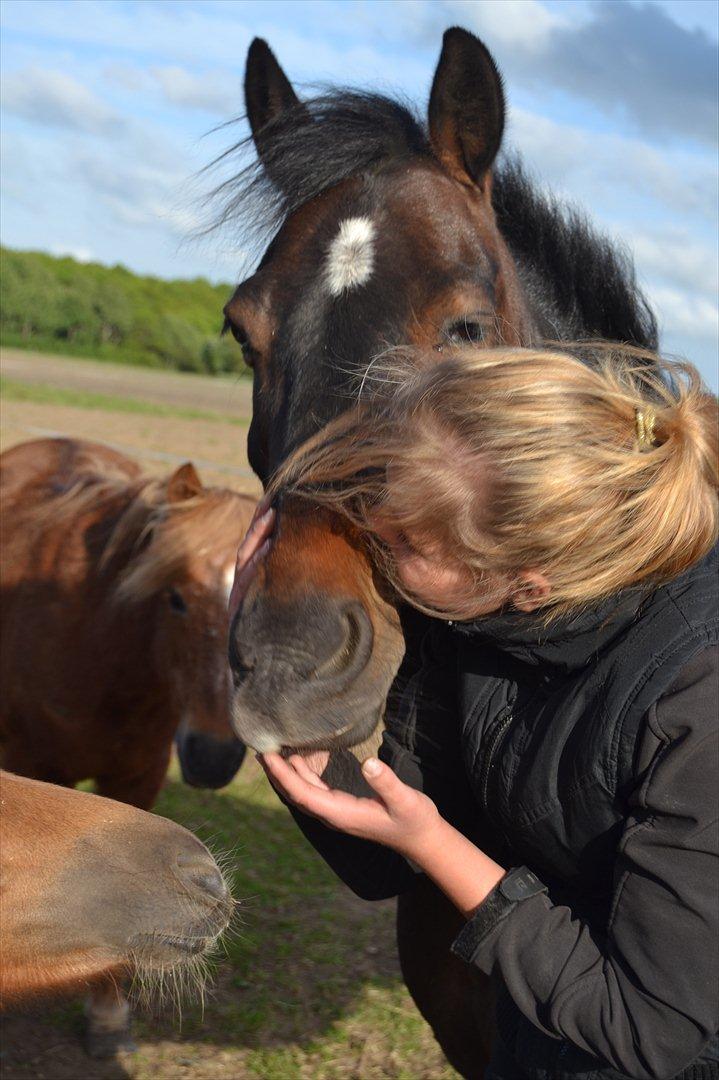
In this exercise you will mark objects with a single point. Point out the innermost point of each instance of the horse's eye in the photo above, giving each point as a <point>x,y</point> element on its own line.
<point>239,334</point>
<point>242,338</point>
<point>465,330</point>
<point>177,603</point>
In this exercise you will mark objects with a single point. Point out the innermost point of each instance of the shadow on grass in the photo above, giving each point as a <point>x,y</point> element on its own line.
<point>302,951</point>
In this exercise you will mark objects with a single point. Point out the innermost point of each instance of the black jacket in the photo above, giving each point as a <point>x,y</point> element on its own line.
<point>587,753</point>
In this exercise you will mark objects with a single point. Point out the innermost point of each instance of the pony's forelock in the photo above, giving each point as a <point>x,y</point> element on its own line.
<point>149,541</point>
<point>207,527</point>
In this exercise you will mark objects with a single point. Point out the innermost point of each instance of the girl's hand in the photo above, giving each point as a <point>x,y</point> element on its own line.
<point>399,816</point>
<point>250,553</point>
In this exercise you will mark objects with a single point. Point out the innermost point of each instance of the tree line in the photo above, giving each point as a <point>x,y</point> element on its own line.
<point>85,309</point>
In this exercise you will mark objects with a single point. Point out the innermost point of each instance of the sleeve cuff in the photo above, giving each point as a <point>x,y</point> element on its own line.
<point>516,885</point>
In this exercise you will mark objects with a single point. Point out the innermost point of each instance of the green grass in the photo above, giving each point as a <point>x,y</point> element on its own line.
<point>43,394</point>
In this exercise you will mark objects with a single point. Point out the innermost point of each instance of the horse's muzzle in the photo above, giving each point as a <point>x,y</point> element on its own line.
<point>207,762</point>
<point>302,673</point>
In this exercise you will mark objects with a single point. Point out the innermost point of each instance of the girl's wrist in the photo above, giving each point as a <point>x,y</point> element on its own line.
<point>424,846</point>
<point>457,866</point>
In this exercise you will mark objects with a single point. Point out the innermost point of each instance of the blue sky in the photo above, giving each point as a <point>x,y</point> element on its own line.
<point>107,105</point>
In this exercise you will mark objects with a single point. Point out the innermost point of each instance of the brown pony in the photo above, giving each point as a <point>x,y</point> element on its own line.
<point>114,591</point>
<point>385,230</point>
<point>91,887</point>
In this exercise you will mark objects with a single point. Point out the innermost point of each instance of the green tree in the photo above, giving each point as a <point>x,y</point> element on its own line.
<point>61,305</point>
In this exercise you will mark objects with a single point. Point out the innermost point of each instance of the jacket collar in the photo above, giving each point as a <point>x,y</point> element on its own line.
<point>570,643</point>
<point>566,644</point>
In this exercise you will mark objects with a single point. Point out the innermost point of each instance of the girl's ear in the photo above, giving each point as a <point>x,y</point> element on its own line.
<point>531,591</point>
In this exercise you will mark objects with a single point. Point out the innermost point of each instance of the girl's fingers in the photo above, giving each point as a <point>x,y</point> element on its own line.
<point>335,808</point>
<point>306,796</point>
<point>383,780</point>
<point>259,530</point>
<point>301,767</point>
<point>263,506</point>
<point>245,573</point>
<point>251,551</point>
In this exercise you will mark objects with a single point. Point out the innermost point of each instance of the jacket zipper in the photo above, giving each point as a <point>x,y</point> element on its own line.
<point>496,737</point>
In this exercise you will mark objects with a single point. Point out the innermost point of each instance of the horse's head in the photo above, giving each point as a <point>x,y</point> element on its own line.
<point>388,236</point>
<point>91,884</point>
<point>185,572</point>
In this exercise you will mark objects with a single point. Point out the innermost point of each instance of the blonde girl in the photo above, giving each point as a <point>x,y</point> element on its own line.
<point>556,517</point>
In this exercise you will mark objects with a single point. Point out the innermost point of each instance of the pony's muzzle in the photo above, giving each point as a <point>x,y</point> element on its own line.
<point>206,761</point>
<point>298,665</point>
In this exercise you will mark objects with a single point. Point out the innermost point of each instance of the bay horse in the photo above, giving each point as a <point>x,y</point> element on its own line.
<point>91,886</point>
<point>384,231</point>
<point>113,591</point>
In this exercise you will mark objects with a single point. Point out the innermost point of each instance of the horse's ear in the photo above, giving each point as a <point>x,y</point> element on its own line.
<point>268,91</point>
<point>184,483</point>
<point>466,107</point>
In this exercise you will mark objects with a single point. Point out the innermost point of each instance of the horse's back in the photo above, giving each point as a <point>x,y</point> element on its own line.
<point>44,563</point>
<point>58,463</point>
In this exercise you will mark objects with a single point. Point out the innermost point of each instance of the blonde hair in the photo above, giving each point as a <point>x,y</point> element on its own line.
<point>600,473</point>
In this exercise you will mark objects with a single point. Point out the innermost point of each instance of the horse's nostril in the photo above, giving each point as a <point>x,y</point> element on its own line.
<point>352,655</point>
<point>211,881</point>
<point>203,874</point>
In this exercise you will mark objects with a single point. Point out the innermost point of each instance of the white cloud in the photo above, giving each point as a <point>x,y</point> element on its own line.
<point>58,100</point>
<point>81,254</point>
<point>524,24</point>
<point>596,167</point>
<point>632,61</point>
<point>134,192</point>
<point>670,254</point>
<point>685,315</point>
<point>214,93</point>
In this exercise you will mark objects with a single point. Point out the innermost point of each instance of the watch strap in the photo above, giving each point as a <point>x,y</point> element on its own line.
<point>517,885</point>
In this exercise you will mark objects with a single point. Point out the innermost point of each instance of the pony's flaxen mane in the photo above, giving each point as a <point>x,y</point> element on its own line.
<point>207,527</point>
<point>588,283</point>
<point>149,540</point>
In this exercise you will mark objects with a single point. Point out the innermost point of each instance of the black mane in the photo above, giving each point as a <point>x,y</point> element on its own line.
<point>587,283</point>
<point>582,285</point>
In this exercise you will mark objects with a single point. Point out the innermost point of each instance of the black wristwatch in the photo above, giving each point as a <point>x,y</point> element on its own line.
<point>517,885</point>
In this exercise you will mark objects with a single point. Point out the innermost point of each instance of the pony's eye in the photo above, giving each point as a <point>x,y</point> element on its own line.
<point>177,603</point>
<point>465,330</point>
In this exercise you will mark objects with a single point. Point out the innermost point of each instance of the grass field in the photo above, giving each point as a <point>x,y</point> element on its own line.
<point>310,986</point>
<point>16,390</point>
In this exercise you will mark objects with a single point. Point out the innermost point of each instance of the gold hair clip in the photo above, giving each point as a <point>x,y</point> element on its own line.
<point>644,421</point>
